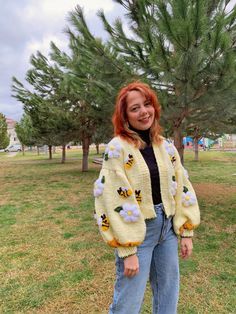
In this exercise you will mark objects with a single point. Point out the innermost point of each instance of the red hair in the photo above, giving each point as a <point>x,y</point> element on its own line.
<point>120,121</point>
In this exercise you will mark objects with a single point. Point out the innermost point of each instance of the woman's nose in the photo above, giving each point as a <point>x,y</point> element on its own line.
<point>143,109</point>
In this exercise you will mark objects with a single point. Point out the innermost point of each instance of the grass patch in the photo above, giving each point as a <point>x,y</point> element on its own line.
<point>68,235</point>
<point>80,275</point>
<point>8,215</point>
<point>52,257</point>
<point>64,207</point>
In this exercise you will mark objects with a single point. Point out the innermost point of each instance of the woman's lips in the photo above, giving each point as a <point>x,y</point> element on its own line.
<point>144,120</point>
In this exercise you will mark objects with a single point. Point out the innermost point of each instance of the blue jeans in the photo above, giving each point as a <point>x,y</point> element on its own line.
<point>158,262</point>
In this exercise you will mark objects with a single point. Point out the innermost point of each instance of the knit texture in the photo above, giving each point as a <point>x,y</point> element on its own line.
<point>123,194</point>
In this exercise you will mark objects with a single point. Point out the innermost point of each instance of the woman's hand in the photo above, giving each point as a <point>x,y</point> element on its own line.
<point>186,245</point>
<point>131,266</point>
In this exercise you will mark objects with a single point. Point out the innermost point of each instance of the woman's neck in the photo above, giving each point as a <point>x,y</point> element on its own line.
<point>144,134</point>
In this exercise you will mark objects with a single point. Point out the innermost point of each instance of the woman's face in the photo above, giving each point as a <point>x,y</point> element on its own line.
<point>139,111</point>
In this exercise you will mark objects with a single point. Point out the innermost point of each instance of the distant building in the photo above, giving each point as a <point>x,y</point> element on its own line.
<point>11,131</point>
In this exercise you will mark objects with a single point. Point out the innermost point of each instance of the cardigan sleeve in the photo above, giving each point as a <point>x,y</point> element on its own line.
<point>118,215</point>
<point>187,216</point>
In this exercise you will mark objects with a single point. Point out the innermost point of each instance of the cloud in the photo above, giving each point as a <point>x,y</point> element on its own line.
<point>50,12</point>
<point>43,44</point>
<point>30,25</point>
<point>12,110</point>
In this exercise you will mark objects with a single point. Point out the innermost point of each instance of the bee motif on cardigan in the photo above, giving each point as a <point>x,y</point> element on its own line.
<point>123,192</point>
<point>105,223</point>
<point>173,160</point>
<point>129,161</point>
<point>138,196</point>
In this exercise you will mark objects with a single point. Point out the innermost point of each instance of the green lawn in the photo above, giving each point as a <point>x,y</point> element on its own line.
<point>52,258</point>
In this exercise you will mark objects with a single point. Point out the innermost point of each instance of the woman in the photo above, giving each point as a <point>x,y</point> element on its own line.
<point>143,200</point>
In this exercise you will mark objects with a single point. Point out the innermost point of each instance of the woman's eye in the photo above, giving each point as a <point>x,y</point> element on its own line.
<point>147,104</point>
<point>134,109</point>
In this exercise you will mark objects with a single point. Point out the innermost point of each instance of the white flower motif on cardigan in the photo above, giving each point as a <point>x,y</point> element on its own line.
<point>188,198</point>
<point>99,221</point>
<point>129,212</point>
<point>173,187</point>
<point>112,150</point>
<point>98,186</point>
<point>171,151</point>
<point>169,148</point>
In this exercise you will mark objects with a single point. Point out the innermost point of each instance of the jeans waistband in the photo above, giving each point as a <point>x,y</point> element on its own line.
<point>159,208</point>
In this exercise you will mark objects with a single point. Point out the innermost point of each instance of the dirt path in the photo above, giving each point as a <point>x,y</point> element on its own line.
<point>213,191</point>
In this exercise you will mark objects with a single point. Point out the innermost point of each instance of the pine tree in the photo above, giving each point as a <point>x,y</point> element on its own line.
<point>212,124</point>
<point>4,138</point>
<point>94,73</point>
<point>185,49</point>
<point>26,133</point>
<point>47,104</point>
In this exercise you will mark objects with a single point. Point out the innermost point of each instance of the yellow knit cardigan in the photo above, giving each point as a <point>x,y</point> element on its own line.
<point>123,195</point>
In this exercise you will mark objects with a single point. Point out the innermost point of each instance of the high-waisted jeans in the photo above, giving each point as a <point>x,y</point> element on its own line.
<point>158,262</point>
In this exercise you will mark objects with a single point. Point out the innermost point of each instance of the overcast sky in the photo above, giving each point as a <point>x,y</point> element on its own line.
<point>29,25</point>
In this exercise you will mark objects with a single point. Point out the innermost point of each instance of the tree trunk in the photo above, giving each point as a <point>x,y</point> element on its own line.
<point>85,147</point>
<point>196,137</point>
<point>63,158</point>
<point>37,150</point>
<point>23,149</point>
<point>97,148</point>
<point>178,141</point>
<point>195,144</point>
<point>50,151</point>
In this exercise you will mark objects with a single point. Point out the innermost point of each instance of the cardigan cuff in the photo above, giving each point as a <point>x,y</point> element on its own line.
<point>187,234</point>
<point>126,251</point>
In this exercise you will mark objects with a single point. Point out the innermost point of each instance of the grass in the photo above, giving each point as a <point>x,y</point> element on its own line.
<point>53,260</point>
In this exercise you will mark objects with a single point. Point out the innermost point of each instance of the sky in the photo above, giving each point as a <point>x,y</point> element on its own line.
<point>30,25</point>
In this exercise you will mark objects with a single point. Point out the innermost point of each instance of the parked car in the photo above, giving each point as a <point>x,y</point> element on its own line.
<point>13,148</point>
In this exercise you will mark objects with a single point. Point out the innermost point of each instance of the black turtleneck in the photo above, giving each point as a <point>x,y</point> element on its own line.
<point>149,157</point>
